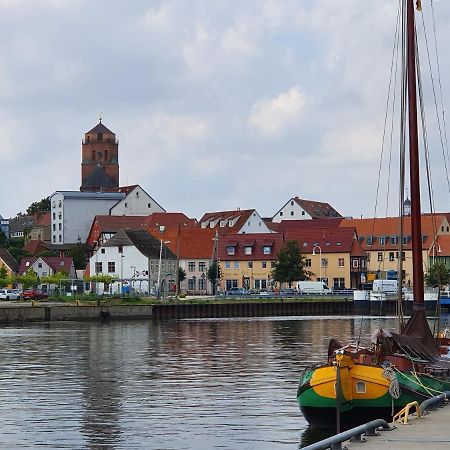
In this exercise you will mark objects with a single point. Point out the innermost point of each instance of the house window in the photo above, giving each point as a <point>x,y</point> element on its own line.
<point>100,136</point>
<point>380,256</point>
<point>339,283</point>
<point>381,240</point>
<point>60,226</point>
<point>292,213</point>
<point>250,264</point>
<point>54,216</point>
<point>355,263</point>
<point>267,249</point>
<point>60,238</point>
<point>111,267</point>
<point>54,227</point>
<point>230,223</point>
<point>103,250</point>
<point>292,202</point>
<point>263,264</point>
<point>236,264</point>
<point>191,283</point>
<point>202,266</point>
<point>98,267</point>
<point>202,284</point>
<point>281,213</point>
<point>248,250</point>
<point>191,266</point>
<point>391,256</point>
<point>54,238</point>
<point>338,243</point>
<point>40,265</point>
<point>324,262</point>
<point>303,213</point>
<point>308,262</point>
<point>360,387</point>
<point>341,262</point>
<point>369,240</point>
<point>126,205</point>
<point>231,250</point>
<point>227,265</point>
<point>222,223</point>
<point>368,256</point>
<point>60,203</point>
<point>120,248</point>
<point>149,205</point>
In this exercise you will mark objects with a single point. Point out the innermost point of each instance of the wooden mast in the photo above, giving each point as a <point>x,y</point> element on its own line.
<point>416,213</point>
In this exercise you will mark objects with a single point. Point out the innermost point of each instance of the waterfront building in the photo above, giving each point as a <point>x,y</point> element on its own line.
<point>20,225</point>
<point>4,226</point>
<point>379,238</point>
<point>47,265</point>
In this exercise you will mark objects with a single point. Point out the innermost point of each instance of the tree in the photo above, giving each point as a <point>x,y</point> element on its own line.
<point>29,279</point>
<point>181,276</point>
<point>78,253</point>
<point>4,280</point>
<point>438,275</point>
<point>41,206</point>
<point>290,265</point>
<point>214,275</point>
<point>3,271</point>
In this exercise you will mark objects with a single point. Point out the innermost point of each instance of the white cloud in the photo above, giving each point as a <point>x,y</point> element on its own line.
<point>274,116</point>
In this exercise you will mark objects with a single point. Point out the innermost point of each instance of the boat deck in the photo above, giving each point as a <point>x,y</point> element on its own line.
<point>430,431</point>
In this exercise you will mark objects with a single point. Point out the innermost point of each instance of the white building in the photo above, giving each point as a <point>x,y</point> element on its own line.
<point>300,209</point>
<point>132,257</point>
<point>136,203</point>
<point>72,213</point>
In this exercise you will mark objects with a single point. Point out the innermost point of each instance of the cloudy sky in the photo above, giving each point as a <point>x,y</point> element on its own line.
<point>217,104</point>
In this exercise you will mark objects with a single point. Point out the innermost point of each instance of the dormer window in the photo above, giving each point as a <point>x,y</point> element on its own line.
<point>230,223</point>
<point>248,250</point>
<point>231,250</point>
<point>222,223</point>
<point>267,249</point>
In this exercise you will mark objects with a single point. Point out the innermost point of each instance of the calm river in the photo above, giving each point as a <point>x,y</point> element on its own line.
<point>191,384</point>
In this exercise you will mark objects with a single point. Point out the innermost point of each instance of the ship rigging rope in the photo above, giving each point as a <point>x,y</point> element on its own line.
<point>417,381</point>
<point>394,385</point>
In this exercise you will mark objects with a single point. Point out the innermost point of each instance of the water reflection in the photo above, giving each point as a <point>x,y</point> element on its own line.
<point>193,384</point>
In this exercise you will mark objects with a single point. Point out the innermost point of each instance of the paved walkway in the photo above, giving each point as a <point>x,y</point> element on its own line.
<point>430,432</point>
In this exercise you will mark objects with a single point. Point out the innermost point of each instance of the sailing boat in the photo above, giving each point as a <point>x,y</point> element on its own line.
<point>358,384</point>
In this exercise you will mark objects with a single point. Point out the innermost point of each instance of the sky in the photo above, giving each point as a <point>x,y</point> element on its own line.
<point>217,104</point>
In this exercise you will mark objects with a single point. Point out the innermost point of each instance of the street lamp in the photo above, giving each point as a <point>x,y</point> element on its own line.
<point>159,266</point>
<point>320,262</point>
<point>434,250</point>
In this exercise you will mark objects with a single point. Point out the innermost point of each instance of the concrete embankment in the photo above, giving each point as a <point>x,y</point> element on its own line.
<point>48,312</point>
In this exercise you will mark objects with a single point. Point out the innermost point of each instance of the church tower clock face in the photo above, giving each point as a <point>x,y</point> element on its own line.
<point>100,156</point>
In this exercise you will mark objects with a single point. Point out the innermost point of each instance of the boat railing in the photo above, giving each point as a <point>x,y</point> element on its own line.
<point>354,434</point>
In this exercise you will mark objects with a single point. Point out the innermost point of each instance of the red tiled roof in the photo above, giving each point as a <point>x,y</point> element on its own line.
<point>242,215</point>
<point>390,226</point>
<point>34,247</point>
<point>330,240</point>
<point>317,210</point>
<point>260,240</point>
<point>307,224</point>
<point>8,260</point>
<point>168,220</point>
<point>43,219</point>
<point>127,189</point>
<point>55,263</point>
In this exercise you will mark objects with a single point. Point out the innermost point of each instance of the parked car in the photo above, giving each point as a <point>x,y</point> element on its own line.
<point>288,292</point>
<point>237,291</point>
<point>9,294</point>
<point>34,294</point>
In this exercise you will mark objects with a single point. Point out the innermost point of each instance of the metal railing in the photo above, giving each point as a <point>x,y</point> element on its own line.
<point>436,401</point>
<point>354,434</point>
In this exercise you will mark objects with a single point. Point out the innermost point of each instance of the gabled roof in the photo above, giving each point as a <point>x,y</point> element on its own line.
<point>317,210</point>
<point>256,240</point>
<point>168,220</point>
<point>330,240</point>
<point>242,215</point>
<point>100,128</point>
<point>127,189</point>
<point>98,178</point>
<point>20,222</point>
<point>112,224</point>
<point>35,246</point>
<point>9,260</point>
<point>189,243</point>
<point>143,241</point>
<point>43,219</point>
<point>57,264</point>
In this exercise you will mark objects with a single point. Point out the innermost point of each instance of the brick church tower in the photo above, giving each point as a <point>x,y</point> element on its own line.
<point>99,160</point>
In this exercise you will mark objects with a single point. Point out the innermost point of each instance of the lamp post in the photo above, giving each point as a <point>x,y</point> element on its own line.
<point>159,265</point>
<point>121,275</point>
<point>320,262</point>
<point>216,245</point>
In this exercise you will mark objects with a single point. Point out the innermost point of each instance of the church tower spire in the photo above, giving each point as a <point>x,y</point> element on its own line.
<point>99,160</point>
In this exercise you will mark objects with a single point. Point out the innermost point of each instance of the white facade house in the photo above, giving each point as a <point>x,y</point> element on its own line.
<point>300,209</point>
<point>132,257</point>
<point>72,213</point>
<point>136,203</point>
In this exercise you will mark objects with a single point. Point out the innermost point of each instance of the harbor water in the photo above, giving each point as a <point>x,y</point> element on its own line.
<point>188,384</point>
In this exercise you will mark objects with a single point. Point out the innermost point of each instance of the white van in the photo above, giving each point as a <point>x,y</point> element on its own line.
<point>313,287</point>
<point>386,286</point>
